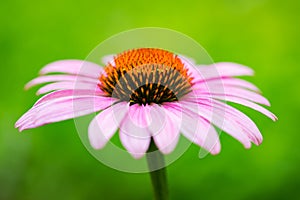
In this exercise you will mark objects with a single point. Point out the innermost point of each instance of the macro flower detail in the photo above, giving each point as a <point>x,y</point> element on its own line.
<point>146,76</point>
<point>149,94</point>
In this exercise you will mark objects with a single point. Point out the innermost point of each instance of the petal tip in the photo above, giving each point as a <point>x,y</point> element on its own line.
<point>247,145</point>
<point>96,145</point>
<point>22,128</point>
<point>274,118</point>
<point>42,72</point>
<point>215,150</point>
<point>17,126</point>
<point>95,142</point>
<point>137,155</point>
<point>166,150</point>
<point>214,153</point>
<point>27,87</point>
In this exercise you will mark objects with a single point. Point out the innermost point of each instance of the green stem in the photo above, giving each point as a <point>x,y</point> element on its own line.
<point>156,164</point>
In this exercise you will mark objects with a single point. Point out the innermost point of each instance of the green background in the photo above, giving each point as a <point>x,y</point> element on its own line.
<point>50,162</point>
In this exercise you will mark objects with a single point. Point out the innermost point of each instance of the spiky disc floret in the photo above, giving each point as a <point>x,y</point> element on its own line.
<point>146,76</point>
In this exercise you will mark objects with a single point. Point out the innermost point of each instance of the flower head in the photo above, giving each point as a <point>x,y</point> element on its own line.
<point>146,76</point>
<point>149,94</point>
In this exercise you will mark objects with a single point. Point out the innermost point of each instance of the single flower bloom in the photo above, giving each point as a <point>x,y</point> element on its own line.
<point>147,94</point>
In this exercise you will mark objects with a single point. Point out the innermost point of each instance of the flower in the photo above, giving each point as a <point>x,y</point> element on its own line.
<point>147,94</point>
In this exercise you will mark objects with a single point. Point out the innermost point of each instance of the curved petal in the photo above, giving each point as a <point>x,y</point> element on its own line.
<point>63,85</point>
<point>136,146</point>
<point>61,109</point>
<point>67,93</point>
<point>236,117</point>
<point>91,102</point>
<point>232,91</point>
<point>197,129</point>
<point>134,133</point>
<point>223,69</point>
<point>219,118</point>
<point>164,128</point>
<point>78,67</point>
<point>55,78</point>
<point>248,104</point>
<point>105,124</point>
<point>242,121</point>
<point>225,82</point>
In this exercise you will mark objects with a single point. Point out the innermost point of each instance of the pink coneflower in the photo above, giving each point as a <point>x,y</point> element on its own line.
<point>149,94</point>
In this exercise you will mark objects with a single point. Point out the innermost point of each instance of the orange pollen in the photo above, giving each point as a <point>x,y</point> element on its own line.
<point>145,76</point>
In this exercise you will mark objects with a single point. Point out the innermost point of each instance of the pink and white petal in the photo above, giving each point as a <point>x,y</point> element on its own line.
<point>222,69</point>
<point>226,69</point>
<point>77,67</point>
<point>136,146</point>
<point>91,102</point>
<point>105,124</point>
<point>30,118</point>
<point>209,139</point>
<point>197,130</point>
<point>249,104</point>
<point>62,109</point>
<point>220,119</point>
<point>63,85</point>
<point>67,93</point>
<point>140,116</point>
<point>225,82</point>
<point>240,83</point>
<point>55,78</point>
<point>164,128</point>
<point>242,121</point>
<point>134,133</point>
<point>54,95</point>
<point>234,117</point>
<point>232,91</point>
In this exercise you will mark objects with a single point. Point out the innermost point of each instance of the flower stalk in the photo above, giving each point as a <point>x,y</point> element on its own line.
<point>158,173</point>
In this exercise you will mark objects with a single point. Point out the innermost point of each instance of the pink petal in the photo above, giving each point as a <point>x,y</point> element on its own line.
<point>232,116</point>
<point>220,119</point>
<point>63,85</point>
<point>105,124</point>
<point>240,119</point>
<point>224,69</point>
<point>55,78</point>
<point>224,82</point>
<point>236,117</point>
<point>62,109</point>
<point>134,133</point>
<point>216,71</point>
<point>136,146</point>
<point>65,93</point>
<point>77,67</point>
<point>223,92</point>
<point>196,129</point>
<point>90,99</point>
<point>248,104</point>
<point>164,128</point>
<point>54,95</point>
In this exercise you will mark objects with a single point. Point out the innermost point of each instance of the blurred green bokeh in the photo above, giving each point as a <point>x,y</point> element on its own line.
<point>50,162</point>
